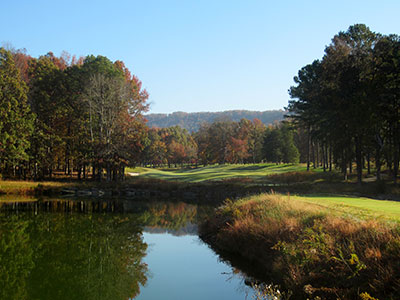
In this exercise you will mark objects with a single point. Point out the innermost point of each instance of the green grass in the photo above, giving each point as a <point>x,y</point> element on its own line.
<point>218,172</point>
<point>359,207</point>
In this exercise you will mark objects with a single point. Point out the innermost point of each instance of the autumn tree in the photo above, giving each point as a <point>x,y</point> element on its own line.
<point>112,103</point>
<point>46,102</point>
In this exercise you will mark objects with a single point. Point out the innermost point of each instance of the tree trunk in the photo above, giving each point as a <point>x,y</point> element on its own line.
<point>395,164</point>
<point>115,173</point>
<point>359,160</point>
<point>68,167</point>
<point>79,172</point>
<point>51,171</point>
<point>313,154</point>
<point>108,171</point>
<point>123,173</point>
<point>99,172</point>
<point>308,149</point>
<point>378,163</point>
<point>93,171</point>
<point>344,165</point>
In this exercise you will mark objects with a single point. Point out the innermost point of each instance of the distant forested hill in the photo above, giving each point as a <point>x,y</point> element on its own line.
<point>192,121</point>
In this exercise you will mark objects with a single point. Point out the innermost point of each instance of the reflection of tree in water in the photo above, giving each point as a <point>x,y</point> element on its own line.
<point>60,256</point>
<point>166,215</point>
<point>16,258</point>
<point>172,216</point>
<point>169,215</point>
<point>61,249</point>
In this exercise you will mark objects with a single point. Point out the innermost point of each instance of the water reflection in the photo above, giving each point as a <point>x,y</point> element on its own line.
<point>96,249</point>
<point>58,256</point>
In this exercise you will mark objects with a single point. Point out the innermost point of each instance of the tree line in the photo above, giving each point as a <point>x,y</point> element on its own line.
<point>85,117</point>
<point>348,103</point>
<point>59,113</point>
<point>221,142</point>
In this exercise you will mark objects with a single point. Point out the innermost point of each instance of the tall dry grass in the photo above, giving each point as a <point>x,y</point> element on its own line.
<point>19,187</point>
<point>309,249</point>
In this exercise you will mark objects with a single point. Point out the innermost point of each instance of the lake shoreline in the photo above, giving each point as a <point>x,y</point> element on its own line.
<point>310,251</point>
<point>214,191</point>
<point>268,249</point>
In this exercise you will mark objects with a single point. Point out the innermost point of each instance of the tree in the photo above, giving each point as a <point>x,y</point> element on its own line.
<point>46,100</point>
<point>114,102</point>
<point>213,141</point>
<point>290,153</point>
<point>16,119</point>
<point>334,101</point>
<point>107,99</point>
<point>385,88</point>
<point>351,51</point>
<point>255,141</point>
<point>273,145</point>
<point>279,144</point>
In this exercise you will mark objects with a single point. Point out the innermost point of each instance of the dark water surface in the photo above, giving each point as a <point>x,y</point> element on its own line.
<point>114,249</point>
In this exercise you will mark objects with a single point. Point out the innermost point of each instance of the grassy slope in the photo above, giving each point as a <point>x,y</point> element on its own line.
<point>218,172</point>
<point>359,207</point>
<point>316,242</point>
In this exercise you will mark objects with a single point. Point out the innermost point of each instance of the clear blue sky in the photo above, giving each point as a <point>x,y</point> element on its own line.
<point>199,55</point>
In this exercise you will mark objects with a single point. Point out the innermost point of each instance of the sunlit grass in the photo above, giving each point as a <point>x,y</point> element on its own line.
<point>356,206</point>
<point>17,198</point>
<point>218,172</point>
<point>27,187</point>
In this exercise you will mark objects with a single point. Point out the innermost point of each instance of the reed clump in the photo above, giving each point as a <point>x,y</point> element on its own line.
<point>310,249</point>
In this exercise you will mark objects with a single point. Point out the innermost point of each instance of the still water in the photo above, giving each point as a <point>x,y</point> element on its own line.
<point>114,249</point>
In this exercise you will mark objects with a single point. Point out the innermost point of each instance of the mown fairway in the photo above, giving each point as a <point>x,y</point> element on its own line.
<point>218,172</point>
<point>356,207</point>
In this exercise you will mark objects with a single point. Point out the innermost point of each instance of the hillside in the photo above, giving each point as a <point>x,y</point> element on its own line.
<point>192,121</point>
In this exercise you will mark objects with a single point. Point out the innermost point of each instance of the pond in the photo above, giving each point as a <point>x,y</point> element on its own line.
<point>110,249</point>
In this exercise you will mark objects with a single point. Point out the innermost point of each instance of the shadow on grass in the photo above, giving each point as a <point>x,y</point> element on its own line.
<point>251,168</point>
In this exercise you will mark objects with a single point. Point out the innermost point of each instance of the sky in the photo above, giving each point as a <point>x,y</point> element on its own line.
<point>196,55</point>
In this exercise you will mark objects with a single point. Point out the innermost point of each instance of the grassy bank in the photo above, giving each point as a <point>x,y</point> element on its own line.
<point>19,187</point>
<point>54,187</point>
<point>332,248</point>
